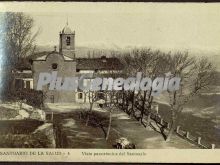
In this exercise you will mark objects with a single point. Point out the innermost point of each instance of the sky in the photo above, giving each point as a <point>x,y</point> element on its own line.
<point>181,26</point>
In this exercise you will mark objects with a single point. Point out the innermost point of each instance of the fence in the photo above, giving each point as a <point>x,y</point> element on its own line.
<point>195,140</point>
<point>166,125</point>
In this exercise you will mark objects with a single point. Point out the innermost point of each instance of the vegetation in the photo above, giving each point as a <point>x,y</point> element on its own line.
<point>18,43</point>
<point>6,113</point>
<point>196,75</point>
<point>24,141</point>
<point>30,96</point>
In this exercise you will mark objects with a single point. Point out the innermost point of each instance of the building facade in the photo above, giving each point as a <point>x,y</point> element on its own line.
<point>67,64</point>
<point>63,62</point>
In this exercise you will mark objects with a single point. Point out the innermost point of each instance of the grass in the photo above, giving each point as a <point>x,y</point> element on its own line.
<point>19,134</point>
<point>197,126</point>
<point>19,126</point>
<point>76,135</point>
<point>6,113</point>
<point>24,141</point>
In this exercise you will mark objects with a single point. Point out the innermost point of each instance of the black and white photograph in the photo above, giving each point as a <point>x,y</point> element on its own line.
<point>110,76</point>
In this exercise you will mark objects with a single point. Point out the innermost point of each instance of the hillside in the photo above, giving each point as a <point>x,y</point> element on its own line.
<point>82,51</point>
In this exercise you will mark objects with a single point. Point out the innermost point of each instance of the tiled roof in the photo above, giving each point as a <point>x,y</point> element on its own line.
<point>102,63</point>
<point>98,63</point>
<point>25,64</point>
<point>38,54</point>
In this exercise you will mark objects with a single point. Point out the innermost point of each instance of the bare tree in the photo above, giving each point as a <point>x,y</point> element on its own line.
<point>195,74</point>
<point>129,60</point>
<point>19,42</point>
<point>112,97</point>
<point>19,38</point>
<point>151,64</point>
<point>92,99</point>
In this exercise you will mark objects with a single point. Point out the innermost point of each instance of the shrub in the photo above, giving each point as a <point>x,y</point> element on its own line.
<point>24,141</point>
<point>30,96</point>
<point>6,113</point>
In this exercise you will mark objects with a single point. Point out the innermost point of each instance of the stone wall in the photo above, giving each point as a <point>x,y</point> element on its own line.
<point>22,111</point>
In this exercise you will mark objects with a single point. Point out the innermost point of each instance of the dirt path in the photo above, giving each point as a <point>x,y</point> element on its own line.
<point>145,138</point>
<point>77,135</point>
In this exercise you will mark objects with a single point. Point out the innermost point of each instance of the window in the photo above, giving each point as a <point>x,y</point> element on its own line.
<point>80,95</point>
<point>54,66</point>
<point>28,85</point>
<point>68,40</point>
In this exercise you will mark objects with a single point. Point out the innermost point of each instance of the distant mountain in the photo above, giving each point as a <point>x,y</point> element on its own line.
<point>82,51</point>
<point>106,49</point>
<point>42,48</point>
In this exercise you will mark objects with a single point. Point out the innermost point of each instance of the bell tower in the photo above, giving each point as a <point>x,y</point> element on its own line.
<point>67,42</point>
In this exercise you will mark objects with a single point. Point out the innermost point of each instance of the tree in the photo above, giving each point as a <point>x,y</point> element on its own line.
<point>92,99</point>
<point>129,61</point>
<point>151,64</point>
<point>18,37</point>
<point>195,74</point>
<point>19,42</point>
<point>112,97</point>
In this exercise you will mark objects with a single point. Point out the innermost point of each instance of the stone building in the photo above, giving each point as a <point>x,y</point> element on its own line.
<point>67,64</point>
<point>63,62</point>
